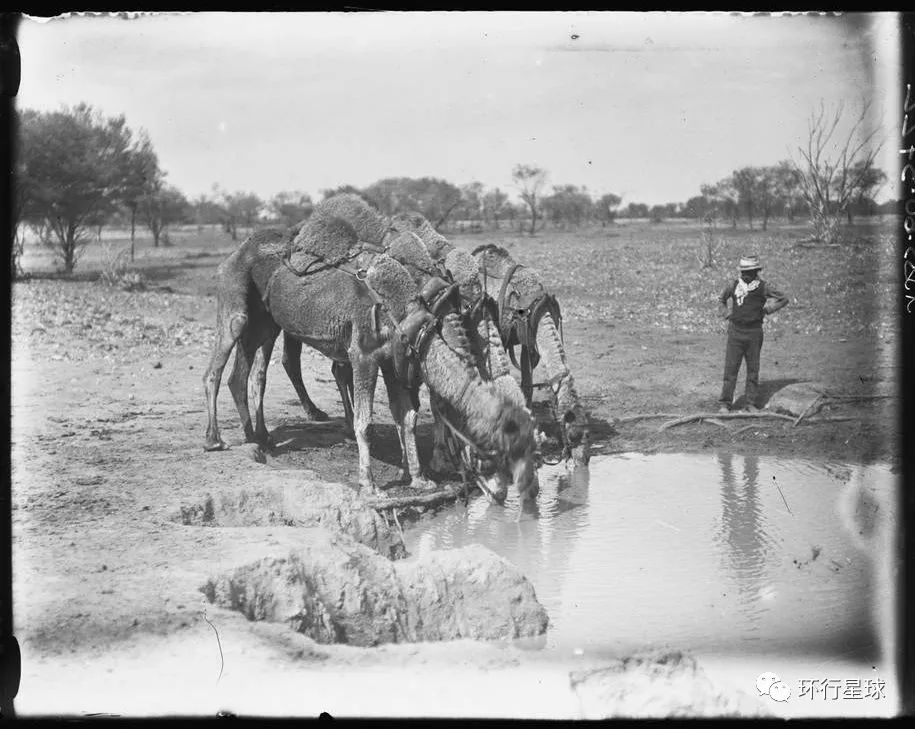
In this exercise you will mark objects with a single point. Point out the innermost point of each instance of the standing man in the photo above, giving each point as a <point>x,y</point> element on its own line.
<point>752,298</point>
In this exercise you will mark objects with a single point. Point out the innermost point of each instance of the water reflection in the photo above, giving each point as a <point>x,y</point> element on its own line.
<point>697,552</point>
<point>742,532</point>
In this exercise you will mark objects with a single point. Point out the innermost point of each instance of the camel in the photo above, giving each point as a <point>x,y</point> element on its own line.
<point>399,238</point>
<point>529,316</point>
<point>337,310</point>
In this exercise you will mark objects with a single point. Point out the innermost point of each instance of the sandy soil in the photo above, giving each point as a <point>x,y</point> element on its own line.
<point>107,429</point>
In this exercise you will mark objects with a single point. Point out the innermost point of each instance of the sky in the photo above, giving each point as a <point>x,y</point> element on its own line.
<point>646,105</point>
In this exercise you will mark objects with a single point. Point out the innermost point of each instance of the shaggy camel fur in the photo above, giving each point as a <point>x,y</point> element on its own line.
<point>528,317</point>
<point>481,319</point>
<point>337,313</point>
<point>412,241</point>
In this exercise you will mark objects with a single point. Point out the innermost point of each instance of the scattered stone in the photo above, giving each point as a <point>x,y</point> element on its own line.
<point>797,398</point>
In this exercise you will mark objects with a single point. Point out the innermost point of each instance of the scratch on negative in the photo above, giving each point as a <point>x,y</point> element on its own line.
<point>222,662</point>
<point>669,526</point>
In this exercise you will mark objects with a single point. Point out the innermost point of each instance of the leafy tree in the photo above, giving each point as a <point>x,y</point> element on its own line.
<point>605,207</point>
<point>436,199</point>
<point>163,205</point>
<point>495,206</point>
<point>788,190</point>
<point>141,176</point>
<point>471,205</point>
<point>71,166</point>
<point>832,167</point>
<point>724,196</point>
<point>869,179</point>
<point>239,209</point>
<point>635,210</point>
<point>530,181</point>
<point>289,208</point>
<point>568,205</point>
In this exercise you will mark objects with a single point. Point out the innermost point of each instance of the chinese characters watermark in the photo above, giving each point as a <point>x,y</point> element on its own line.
<point>826,689</point>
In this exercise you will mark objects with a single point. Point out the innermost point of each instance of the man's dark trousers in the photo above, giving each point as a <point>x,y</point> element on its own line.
<point>743,343</point>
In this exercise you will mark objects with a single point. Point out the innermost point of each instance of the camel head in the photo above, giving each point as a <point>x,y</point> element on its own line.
<point>513,460</point>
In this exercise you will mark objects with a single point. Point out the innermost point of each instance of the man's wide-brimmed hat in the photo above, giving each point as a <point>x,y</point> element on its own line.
<point>749,263</point>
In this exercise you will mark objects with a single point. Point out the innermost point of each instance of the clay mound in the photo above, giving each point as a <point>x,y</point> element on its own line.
<point>322,240</point>
<point>369,224</point>
<point>798,398</point>
<point>408,249</point>
<point>343,592</point>
<point>393,283</point>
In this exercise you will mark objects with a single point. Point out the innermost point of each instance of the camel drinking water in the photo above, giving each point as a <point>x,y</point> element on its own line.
<point>337,312</point>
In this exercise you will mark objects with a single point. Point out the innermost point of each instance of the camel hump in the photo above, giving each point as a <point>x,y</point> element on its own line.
<point>369,224</point>
<point>408,249</point>
<point>391,281</point>
<point>464,268</point>
<point>437,244</point>
<point>323,238</point>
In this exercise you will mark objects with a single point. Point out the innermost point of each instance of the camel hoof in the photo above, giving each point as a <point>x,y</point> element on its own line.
<point>214,445</point>
<point>317,415</point>
<point>254,452</point>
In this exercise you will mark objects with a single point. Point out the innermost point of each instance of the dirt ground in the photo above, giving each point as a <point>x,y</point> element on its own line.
<point>108,419</point>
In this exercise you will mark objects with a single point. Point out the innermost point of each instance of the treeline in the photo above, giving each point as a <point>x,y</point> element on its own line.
<point>78,171</point>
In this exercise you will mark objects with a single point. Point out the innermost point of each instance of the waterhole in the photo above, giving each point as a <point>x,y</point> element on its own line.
<point>716,554</point>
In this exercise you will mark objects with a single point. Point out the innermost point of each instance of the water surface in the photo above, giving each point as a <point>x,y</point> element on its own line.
<point>715,554</point>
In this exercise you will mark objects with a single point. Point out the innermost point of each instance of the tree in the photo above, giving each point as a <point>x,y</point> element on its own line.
<point>436,199</point>
<point>161,206</point>
<point>471,205</point>
<point>869,180</point>
<point>141,175</point>
<point>289,208</point>
<point>788,189</point>
<point>745,183</point>
<point>605,207</point>
<point>723,195</point>
<point>238,209</point>
<point>71,163</point>
<point>495,204</point>
<point>530,181</point>
<point>635,210</point>
<point>568,205</point>
<point>831,167</point>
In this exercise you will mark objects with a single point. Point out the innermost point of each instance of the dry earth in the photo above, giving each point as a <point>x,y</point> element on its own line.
<point>107,426</point>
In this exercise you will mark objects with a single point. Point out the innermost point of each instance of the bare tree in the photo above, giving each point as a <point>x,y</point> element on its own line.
<point>530,181</point>
<point>832,168</point>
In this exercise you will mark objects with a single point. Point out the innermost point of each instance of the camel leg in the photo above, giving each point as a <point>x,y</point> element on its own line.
<point>259,377</point>
<point>441,457</point>
<point>405,416</point>
<point>365,375</point>
<point>292,362</point>
<point>343,376</point>
<point>238,380</point>
<point>228,329</point>
<point>527,378</point>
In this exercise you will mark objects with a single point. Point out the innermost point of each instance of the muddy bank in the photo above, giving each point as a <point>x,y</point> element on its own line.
<point>332,506</point>
<point>340,591</point>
